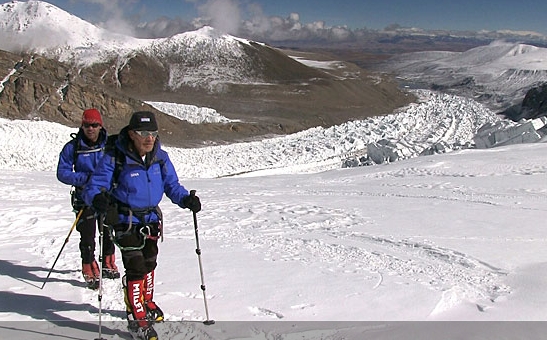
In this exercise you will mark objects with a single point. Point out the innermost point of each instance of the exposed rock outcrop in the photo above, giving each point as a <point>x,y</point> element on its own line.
<point>534,105</point>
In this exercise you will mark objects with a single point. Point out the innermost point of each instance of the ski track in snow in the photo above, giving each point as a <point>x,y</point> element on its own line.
<point>299,235</point>
<point>350,251</point>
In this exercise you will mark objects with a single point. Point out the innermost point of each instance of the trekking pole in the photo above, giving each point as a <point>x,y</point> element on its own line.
<point>198,252</point>
<point>64,244</point>
<point>100,222</point>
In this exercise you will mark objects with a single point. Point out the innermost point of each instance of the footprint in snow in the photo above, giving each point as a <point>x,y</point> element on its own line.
<point>302,306</point>
<point>258,311</point>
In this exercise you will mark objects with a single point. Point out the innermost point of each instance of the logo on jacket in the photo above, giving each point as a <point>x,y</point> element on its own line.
<point>134,174</point>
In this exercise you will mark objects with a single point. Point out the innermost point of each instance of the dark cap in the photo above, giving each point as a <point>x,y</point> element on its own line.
<point>143,121</point>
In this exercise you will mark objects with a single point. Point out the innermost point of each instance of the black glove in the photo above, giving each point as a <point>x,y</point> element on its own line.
<point>101,203</point>
<point>192,202</point>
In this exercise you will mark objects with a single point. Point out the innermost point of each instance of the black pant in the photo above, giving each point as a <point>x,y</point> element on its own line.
<point>87,228</point>
<point>137,262</point>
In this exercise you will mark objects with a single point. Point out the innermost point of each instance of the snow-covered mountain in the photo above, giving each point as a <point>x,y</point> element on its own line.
<point>206,58</point>
<point>498,74</point>
<point>39,27</point>
<point>42,28</point>
<point>202,58</point>
<point>74,64</point>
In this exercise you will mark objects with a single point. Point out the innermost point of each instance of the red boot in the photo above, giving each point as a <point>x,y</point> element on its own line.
<point>95,268</point>
<point>110,270</point>
<point>89,275</point>
<point>134,304</point>
<point>153,312</point>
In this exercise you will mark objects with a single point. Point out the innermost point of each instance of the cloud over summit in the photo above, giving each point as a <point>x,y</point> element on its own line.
<point>247,19</point>
<point>230,16</point>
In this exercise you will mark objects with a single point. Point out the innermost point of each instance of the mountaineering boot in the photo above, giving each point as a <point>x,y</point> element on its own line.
<point>153,312</point>
<point>90,270</point>
<point>110,270</point>
<point>95,268</point>
<point>138,326</point>
<point>132,323</point>
<point>91,281</point>
<point>144,333</point>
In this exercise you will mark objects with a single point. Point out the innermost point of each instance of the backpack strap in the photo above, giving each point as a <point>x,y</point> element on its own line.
<point>76,142</point>
<point>119,158</point>
<point>77,148</point>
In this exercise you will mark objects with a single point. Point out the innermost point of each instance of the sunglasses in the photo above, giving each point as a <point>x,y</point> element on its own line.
<point>93,125</point>
<point>145,134</point>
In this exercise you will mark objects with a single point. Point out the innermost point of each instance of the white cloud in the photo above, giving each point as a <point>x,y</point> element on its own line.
<point>114,15</point>
<point>228,16</point>
<point>224,15</point>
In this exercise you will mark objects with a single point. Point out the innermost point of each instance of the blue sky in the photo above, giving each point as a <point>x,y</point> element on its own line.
<point>428,14</point>
<point>530,15</point>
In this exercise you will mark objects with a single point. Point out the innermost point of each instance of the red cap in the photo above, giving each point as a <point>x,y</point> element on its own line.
<point>91,116</point>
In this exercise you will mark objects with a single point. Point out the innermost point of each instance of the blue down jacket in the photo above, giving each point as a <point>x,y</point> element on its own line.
<point>78,160</point>
<point>140,185</point>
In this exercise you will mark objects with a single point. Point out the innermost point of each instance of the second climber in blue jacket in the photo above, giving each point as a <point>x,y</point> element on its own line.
<point>77,161</point>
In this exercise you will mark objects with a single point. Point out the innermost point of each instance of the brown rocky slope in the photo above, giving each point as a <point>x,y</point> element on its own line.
<point>293,97</point>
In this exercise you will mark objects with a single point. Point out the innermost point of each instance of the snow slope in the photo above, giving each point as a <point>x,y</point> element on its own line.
<point>191,113</point>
